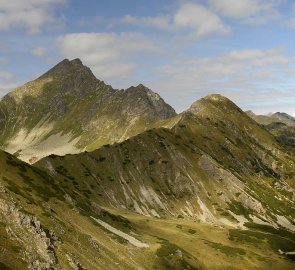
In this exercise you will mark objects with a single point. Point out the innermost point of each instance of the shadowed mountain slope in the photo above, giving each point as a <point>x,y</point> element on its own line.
<point>213,163</point>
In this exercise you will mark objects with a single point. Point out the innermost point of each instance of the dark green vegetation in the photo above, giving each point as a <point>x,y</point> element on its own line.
<point>228,250</point>
<point>171,257</point>
<point>277,239</point>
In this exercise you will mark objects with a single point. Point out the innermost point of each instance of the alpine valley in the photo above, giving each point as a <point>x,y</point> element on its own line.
<point>97,178</point>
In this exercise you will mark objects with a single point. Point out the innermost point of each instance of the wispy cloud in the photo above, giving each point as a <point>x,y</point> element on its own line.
<point>238,74</point>
<point>5,76</point>
<point>163,22</point>
<point>110,55</point>
<point>200,20</point>
<point>208,18</point>
<point>30,15</point>
<point>7,82</point>
<point>39,51</point>
<point>192,18</point>
<point>247,11</point>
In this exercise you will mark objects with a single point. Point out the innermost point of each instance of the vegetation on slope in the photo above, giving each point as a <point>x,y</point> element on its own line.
<point>215,164</point>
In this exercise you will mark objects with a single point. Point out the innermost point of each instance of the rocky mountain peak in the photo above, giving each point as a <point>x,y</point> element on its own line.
<point>144,91</point>
<point>77,62</point>
<point>152,100</point>
<point>68,67</point>
<point>74,102</point>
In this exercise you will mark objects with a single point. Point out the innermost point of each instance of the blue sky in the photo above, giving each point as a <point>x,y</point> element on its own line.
<point>184,50</point>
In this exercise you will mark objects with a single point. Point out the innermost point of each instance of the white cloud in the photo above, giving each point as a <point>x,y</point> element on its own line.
<point>194,18</point>
<point>39,51</point>
<point>31,15</point>
<point>199,19</point>
<point>239,74</point>
<point>239,9</point>
<point>6,82</point>
<point>161,22</point>
<point>5,76</point>
<point>110,55</point>
<point>202,20</point>
<point>249,11</point>
<point>6,87</point>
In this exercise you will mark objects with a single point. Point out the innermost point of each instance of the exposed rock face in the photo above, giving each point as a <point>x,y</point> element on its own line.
<point>151,100</point>
<point>74,263</point>
<point>68,110</point>
<point>38,243</point>
<point>66,67</point>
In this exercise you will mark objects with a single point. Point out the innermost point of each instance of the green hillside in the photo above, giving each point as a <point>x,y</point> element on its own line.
<point>44,227</point>
<point>203,166</point>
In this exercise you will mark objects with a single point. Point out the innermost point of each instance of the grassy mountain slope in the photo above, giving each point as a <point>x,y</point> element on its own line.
<point>68,110</point>
<point>43,227</point>
<point>214,164</point>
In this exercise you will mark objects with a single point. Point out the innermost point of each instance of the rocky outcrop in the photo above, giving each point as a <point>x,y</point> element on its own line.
<point>74,263</point>
<point>37,242</point>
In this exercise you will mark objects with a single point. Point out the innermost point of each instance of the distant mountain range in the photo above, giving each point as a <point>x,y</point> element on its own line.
<point>273,117</point>
<point>118,180</point>
<point>281,125</point>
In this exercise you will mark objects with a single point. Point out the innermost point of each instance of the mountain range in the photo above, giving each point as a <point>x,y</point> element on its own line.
<point>281,125</point>
<point>97,178</point>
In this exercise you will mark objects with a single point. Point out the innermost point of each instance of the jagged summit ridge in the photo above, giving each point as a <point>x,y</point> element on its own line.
<point>68,110</point>
<point>154,100</point>
<point>67,66</point>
